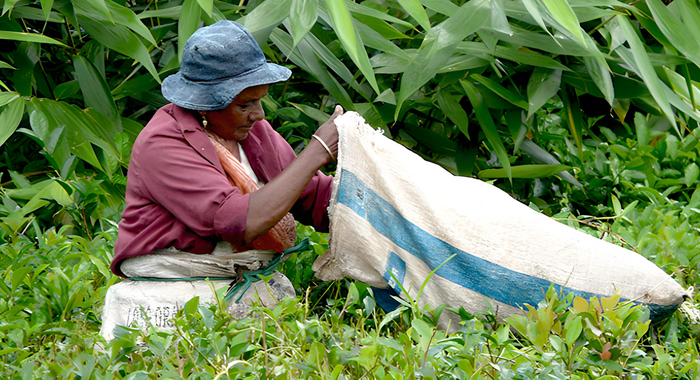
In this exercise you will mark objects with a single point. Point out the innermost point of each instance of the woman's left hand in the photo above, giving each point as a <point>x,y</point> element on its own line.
<point>269,204</point>
<point>328,133</point>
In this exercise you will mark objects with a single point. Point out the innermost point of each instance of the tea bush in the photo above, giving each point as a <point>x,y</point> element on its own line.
<point>54,287</point>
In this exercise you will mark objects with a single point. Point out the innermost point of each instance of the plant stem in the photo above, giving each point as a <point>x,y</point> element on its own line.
<point>425,357</point>
<point>264,332</point>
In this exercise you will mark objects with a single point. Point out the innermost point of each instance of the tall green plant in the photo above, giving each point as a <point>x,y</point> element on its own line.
<point>464,83</point>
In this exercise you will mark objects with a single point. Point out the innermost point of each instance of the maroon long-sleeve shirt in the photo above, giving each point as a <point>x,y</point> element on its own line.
<point>177,193</point>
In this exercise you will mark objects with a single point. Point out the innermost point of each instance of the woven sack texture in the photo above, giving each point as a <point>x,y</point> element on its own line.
<point>396,217</point>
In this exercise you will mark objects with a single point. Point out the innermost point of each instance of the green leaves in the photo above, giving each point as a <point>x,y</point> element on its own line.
<point>344,28</point>
<point>438,46</point>
<point>313,113</point>
<point>28,37</point>
<point>467,20</point>
<point>534,10</point>
<point>207,6</point>
<point>54,191</point>
<point>543,85</point>
<point>124,16</point>
<point>187,25</point>
<point>266,17</point>
<point>524,171</point>
<point>67,130</point>
<point>10,115</point>
<point>436,60</point>
<point>120,39</point>
<point>561,12</point>
<point>449,104</point>
<point>684,33</point>
<point>573,117</point>
<point>600,74</point>
<point>302,16</point>
<point>692,172</point>
<point>501,91</point>
<point>639,60</point>
<point>307,60</point>
<point>487,125</point>
<point>95,91</point>
<point>574,330</point>
<point>416,10</point>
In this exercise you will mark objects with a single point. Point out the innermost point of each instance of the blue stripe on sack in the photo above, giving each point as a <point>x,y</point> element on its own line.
<point>492,280</point>
<point>397,266</point>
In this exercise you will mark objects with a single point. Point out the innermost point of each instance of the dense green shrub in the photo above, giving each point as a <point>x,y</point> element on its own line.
<point>53,292</point>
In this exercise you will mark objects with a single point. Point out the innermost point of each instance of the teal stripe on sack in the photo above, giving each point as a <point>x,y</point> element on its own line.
<point>492,280</point>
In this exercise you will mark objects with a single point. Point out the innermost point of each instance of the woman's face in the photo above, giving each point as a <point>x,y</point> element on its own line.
<point>236,120</point>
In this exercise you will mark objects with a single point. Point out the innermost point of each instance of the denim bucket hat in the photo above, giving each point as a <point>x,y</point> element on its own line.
<point>218,62</point>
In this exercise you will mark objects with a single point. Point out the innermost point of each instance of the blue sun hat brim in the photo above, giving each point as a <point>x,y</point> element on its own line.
<point>218,62</point>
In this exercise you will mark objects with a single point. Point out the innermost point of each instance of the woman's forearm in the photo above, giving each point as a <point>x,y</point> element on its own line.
<point>274,200</point>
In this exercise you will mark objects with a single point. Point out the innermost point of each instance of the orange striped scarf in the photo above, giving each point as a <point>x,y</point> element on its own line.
<point>280,237</point>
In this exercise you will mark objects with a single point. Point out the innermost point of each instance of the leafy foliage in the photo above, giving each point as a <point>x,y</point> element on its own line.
<point>52,292</point>
<point>472,86</point>
<point>586,110</point>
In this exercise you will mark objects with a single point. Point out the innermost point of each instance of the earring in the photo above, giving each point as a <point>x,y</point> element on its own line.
<point>204,119</point>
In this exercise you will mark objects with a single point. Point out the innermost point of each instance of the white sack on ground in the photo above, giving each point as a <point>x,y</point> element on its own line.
<point>126,302</point>
<point>391,211</point>
<point>171,263</point>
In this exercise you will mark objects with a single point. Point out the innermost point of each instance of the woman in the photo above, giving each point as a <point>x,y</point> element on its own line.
<point>179,190</point>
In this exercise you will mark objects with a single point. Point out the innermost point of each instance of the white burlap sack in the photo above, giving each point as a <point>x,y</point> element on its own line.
<point>391,211</point>
<point>126,301</point>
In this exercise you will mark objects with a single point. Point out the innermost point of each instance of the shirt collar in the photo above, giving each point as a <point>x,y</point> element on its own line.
<point>194,133</point>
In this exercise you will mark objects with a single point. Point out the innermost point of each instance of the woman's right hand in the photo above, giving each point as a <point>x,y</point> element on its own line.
<point>329,134</point>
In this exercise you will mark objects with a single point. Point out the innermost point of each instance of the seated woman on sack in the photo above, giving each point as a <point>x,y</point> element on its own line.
<point>198,168</point>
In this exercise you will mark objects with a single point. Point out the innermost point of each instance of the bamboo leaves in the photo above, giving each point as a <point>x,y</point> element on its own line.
<point>28,37</point>
<point>487,125</point>
<point>600,74</point>
<point>638,58</point>
<point>683,33</point>
<point>467,20</point>
<point>561,12</point>
<point>445,7</point>
<point>534,11</point>
<point>266,17</point>
<point>46,7</point>
<point>438,46</point>
<point>95,91</point>
<point>501,91</point>
<point>543,84</point>
<point>120,39</point>
<point>573,118</point>
<point>416,10</point>
<point>304,57</point>
<point>302,17</point>
<point>344,28</point>
<point>115,27</point>
<point>125,16</point>
<point>449,104</point>
<point>10,116</point>
<point>187,25</point>
<point>207,6</point>
<point>67,130</point>
<point>525,171</point>
<point>508,57</point>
